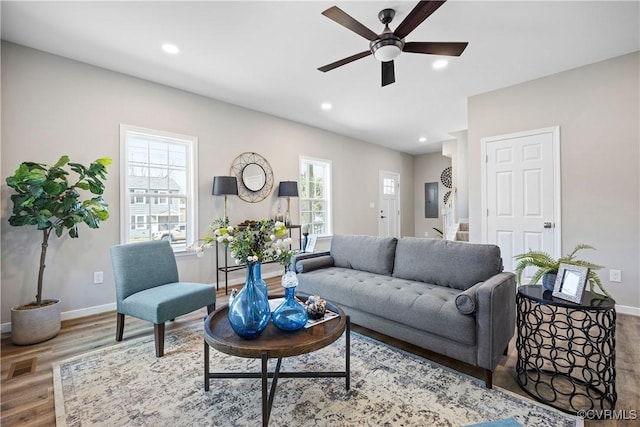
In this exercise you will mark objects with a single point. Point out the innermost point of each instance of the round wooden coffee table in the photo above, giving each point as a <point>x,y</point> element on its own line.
<point>274,343</point>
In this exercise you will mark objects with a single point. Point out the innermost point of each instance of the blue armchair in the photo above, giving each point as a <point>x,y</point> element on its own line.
<point>147,287</point>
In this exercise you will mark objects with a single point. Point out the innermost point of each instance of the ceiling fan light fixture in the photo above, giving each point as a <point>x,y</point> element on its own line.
<point>387,48</point>
<point>387,53</point>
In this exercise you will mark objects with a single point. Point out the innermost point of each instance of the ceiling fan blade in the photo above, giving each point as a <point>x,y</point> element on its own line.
<point>388,73</point>
<point>344,61</point>
<point>436,48</point>
<point>341,17</point>
<point>419,13</point>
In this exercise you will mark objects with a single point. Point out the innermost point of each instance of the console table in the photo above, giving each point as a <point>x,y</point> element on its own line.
<point>566,351</point>
<point>226,268</point>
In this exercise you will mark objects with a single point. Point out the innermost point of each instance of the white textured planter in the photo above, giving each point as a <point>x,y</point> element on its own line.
<point>35,325</point>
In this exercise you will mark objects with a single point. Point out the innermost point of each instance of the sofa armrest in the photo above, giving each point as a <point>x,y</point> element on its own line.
<point>495,318</point>
<point>305,262</point>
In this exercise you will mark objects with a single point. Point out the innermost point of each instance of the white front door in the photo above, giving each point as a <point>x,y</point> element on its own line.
<point>389,212</point>
<point>521,194</point>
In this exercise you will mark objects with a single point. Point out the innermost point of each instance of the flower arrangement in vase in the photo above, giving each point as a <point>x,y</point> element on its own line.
<point>251,243</point>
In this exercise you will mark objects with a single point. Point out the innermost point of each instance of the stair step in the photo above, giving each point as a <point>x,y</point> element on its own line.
<point>462,236</point>
<point>464,226</point>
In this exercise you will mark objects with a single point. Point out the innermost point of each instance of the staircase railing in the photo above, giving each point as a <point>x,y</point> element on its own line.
<point>449,216</point>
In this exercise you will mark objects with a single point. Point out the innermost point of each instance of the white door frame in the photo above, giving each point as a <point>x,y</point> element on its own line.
<point>381,195</point>
<point>557,182</point>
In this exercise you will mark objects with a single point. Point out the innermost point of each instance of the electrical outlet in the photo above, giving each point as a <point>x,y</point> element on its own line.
<point>426,234</point>
<point>615,276</point>
<point>98,277</point>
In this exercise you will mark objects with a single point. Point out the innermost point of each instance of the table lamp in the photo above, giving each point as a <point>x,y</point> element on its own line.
<point>223,186</point>
<point>288,189</point>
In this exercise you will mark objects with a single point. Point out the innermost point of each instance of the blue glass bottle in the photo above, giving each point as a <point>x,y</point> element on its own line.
<point>249,311</point>
<point>257,274</point>
<point>290,315</point>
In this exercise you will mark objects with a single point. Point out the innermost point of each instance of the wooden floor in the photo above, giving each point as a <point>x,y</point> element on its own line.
<point>27,400</point>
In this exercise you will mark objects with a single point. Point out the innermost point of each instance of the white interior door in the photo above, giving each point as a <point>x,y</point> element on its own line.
<point>389,212</point>
<point>521,188</point>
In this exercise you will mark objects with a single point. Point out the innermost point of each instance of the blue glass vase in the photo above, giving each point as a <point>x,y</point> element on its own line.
<point>257,274</point>
<point>249,311</point>
<point>290,315</point>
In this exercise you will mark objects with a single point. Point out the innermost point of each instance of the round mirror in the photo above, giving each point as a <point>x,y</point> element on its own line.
<point>253,177</point>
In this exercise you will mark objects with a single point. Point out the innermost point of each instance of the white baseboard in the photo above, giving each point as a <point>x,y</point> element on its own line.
<point>625,309</point>
<point>73,314</point>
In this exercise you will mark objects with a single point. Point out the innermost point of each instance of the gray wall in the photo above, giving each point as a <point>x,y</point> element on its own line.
<point>597,109</point>
<point>53,106</point>
<point>428,168</point>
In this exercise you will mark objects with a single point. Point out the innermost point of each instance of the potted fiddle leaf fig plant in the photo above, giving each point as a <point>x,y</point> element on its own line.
<point>49,199</point>
<point>547,268</point>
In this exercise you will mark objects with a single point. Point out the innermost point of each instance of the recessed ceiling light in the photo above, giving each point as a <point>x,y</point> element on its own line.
<point>423,139</point>
<point>440,64</point>
<point>170,48</point>
<point>326,106</point>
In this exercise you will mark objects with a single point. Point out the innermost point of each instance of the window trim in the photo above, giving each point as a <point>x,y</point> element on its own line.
<point>191,143</point>
<point>328,164</point>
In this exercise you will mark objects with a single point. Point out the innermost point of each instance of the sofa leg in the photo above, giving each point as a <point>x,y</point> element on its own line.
<point>488,378</point>
<point>119,326</point>
<point>158,332</point>
<point>211,308</point>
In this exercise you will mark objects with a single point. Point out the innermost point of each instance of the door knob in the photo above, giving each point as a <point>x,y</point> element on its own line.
<point>548,225</point>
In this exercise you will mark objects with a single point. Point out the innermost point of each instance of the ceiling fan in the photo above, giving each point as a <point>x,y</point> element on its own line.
<point>389,44</point>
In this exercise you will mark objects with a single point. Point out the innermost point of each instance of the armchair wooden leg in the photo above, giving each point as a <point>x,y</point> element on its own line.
<point>158,332</point>
<point>211,308</point>
<point>119,327</point>
<point>488,378</point>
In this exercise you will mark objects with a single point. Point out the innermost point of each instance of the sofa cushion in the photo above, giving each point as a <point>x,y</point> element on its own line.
<point>315,263</point>
<point>164,302</point>
<point>446,263</point>
<point>365,253</point>
<point>423,306</point>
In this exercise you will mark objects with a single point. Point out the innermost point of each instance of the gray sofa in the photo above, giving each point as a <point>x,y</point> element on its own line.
<point>448,297</point>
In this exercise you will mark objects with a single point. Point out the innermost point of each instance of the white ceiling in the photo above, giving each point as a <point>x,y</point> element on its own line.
<point>264,55</point>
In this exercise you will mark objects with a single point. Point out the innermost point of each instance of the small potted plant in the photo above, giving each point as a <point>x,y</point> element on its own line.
<point>48,200</point>
<point>548,268</point>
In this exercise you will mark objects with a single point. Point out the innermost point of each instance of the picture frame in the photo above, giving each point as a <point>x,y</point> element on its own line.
<point>311,243</point>
<point>570,282</point>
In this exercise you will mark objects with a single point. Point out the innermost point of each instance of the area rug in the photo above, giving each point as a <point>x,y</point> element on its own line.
<point>126,385</point>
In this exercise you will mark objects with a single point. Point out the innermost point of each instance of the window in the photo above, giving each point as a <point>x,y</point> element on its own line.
<point>138,222</point>
<point>315,196</point>
<point>158,186</point>
<point>137,200</point>
<point>162,200</point>
<point>389,186</point>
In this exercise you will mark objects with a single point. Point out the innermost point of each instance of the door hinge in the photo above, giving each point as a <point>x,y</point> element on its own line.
<point>486,158</point>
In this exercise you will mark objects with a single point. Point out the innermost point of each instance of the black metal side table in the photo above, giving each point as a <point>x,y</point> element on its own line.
<point>566,351</point>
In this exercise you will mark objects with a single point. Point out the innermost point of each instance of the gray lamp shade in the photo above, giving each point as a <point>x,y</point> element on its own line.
<point>223,185</point>
<point>288,189</point>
